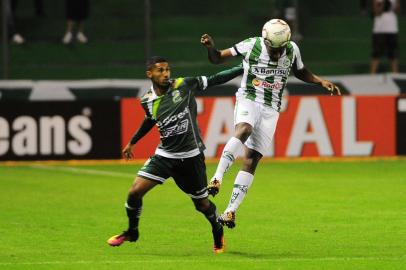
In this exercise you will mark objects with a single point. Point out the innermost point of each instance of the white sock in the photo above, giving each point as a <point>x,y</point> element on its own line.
<point>230,152</point>
<point>241,185</point>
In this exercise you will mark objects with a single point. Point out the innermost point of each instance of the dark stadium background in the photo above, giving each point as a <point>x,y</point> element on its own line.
<point>336,36</point>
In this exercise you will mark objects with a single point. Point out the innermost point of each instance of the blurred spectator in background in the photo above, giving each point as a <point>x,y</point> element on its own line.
<point>14,36</point>
<point>77,11</point>
<point>385,33</point>
<point>291,18</point>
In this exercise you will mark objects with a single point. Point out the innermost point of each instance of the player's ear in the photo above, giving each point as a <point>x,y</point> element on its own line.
<point>148,73</point>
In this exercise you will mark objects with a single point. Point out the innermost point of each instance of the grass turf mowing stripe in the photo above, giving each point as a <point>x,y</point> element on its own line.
<point>159,261</point>
<point>82,171</point>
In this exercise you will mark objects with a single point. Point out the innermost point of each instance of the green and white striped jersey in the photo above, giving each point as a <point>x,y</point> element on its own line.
<point>264,80</point>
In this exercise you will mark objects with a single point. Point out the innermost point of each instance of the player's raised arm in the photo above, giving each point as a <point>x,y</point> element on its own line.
<point>203,82</point>
<point>215,56</point>
<point>224,76</point>
<point>145,127</point>
<point>305,75</point>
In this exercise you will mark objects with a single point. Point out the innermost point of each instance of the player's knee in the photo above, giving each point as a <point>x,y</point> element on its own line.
<point>135,193</point>
<point>201,205</point>
<point>243,131</point>
<point>250,161</point>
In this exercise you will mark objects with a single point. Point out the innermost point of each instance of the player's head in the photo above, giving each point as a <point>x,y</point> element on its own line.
<point>158,71</point>
<point>276,34</point>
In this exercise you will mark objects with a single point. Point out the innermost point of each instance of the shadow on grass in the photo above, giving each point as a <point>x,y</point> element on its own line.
<point>251,255</point>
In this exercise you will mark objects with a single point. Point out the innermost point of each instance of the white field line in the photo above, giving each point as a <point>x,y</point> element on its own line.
<point>160,261</point>
<point>83,171</point>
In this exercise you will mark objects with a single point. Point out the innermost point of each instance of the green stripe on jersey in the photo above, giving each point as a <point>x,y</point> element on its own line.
<point>178,82</point>
<point>285,81</point>
<point>155,106</point>
<point>268,93</point>
<point>255,52</point>
<point>289,52</point>
<point>252,59</point>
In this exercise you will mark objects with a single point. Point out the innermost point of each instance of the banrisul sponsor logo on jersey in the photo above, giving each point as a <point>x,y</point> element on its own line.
<point>58,130</point>
<point>266,71</point>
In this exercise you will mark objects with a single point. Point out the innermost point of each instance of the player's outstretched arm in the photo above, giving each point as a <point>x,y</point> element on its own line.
<point>224,76</point>
<point>145,127</point>
<point>305,75</point>
<point>215,56</point>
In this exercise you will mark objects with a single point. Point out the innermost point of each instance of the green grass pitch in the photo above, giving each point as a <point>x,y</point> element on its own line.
<point>297,215</point>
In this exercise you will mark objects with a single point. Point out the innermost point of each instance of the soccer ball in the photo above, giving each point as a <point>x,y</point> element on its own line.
<point>276,33</point>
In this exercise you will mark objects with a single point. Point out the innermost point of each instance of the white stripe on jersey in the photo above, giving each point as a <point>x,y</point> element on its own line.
<point>204,80</point>
<point>188,154</point>
<point>271,80</point>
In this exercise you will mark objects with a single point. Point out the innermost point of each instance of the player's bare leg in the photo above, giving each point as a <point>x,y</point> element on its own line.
<point>394,65</point>
<point>374,65</point>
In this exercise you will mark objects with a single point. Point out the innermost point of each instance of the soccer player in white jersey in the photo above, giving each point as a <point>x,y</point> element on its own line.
<point>267,62</point>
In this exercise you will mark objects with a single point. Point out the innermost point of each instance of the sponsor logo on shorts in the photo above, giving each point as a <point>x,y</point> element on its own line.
<point>267,85</point>
<point>244,113</point>
<point>146,163</point>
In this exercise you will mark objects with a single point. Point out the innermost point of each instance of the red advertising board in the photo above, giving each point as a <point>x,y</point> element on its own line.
<point>308,126</point>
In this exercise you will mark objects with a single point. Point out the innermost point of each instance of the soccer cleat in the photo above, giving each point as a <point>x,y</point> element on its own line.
<point>81,37</point>
<point>228,219</point>
<point>213,187</point>
<point>67,38</point>
<point>218,237</point>
<point>17,39</point>
<point>118,240</point>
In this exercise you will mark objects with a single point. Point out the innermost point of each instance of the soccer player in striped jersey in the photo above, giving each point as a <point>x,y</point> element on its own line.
<point>171,106</point>
<point>267,62</point>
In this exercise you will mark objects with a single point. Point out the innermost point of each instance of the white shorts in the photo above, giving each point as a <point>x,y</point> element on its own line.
<point>263,120</point>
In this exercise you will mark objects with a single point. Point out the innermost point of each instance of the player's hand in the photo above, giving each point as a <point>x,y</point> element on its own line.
<point>331,87</point>
<point>207,41</point>
<point>128,152</point>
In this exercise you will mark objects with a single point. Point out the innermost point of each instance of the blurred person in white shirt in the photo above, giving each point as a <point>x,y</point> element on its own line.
<point>385,34</point>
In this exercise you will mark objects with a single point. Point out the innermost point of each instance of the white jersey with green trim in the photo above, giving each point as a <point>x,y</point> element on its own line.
<point>264,80</point>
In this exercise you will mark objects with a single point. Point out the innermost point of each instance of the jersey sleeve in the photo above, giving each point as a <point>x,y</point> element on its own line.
<point>203,82</point>
<point>224,76</point>
<point>148,115</point>
<point>297,56</point>
<point>195,83</point>
<point>243,47</point>
<point>192,83</point>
